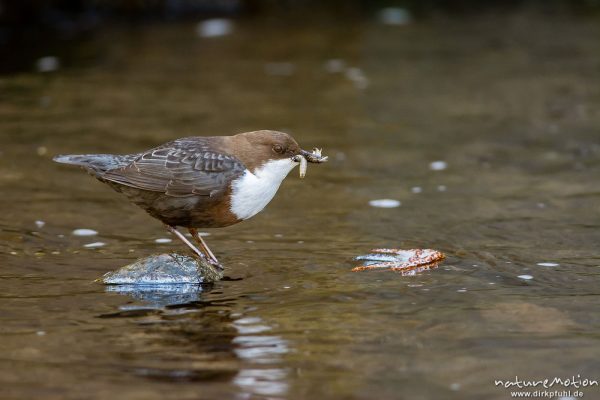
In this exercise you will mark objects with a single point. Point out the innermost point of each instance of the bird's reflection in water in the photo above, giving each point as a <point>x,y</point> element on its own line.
<point>175,335</point>
<point>190,338</point>
<point>263,352</point>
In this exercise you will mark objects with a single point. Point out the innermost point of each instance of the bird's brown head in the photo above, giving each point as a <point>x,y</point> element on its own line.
<point>256,148</point>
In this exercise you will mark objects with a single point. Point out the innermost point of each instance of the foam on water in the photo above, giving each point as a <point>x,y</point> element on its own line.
<point>525,277</point>
<point>94,245</point>
<point>84,232</point>
<point>385,203</point>
<point>548,264</point>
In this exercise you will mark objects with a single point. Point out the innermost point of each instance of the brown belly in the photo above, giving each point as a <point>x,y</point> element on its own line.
<point>188,212</point>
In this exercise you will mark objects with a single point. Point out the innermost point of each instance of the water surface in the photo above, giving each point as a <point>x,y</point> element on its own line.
<point>510,104</point>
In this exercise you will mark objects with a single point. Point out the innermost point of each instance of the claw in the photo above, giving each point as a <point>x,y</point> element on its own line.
<point>217,265</point>
<point>413,260</point>
<point>379,257</point>
<point>404,270</point>
<point>389,251</point>
<point>383,265</point>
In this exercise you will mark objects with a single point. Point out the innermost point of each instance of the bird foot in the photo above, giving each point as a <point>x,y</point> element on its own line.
<point>216,264</point>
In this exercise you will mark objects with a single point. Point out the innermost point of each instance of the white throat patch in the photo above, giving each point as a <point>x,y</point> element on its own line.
<point>252,192</point>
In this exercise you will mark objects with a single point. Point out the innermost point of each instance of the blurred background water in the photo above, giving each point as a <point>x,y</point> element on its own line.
<point>480,120</point>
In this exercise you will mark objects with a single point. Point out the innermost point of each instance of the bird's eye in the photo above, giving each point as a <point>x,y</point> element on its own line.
<point>278,148</point>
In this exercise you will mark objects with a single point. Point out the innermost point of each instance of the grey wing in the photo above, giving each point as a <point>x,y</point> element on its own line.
<point>179,169</point>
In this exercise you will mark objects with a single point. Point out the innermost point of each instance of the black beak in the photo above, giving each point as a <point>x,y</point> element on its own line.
<point>314,156</point>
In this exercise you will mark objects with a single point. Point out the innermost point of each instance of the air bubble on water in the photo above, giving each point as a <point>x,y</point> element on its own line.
<point>394,16</point>
<point>94,245</point>
<point>335,65</point>
<point>385,203</point>
<point>84,232</point>
<point>548,264</point>
<point>47,64</point>
<point>357,76</point>
<point>40,224</point>
<point>247,321</point>
<point>354,73</point>
<point>525,277</point>
<point>438,165</point>
<point>214,27</point>
<point>163,240</point>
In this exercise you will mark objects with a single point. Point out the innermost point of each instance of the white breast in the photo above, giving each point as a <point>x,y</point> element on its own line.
<point>253,191</point>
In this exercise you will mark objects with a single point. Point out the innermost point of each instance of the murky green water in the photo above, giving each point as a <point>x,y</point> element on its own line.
<point>509,103</point>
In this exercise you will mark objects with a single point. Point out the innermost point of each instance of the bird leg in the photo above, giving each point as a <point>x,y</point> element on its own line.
<point>204,247</point>
<point>174,231</point>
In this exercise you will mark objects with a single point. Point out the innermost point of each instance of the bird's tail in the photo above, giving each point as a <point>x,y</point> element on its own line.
<point>98,163</point>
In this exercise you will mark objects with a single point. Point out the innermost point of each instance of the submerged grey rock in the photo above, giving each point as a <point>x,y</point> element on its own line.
<point>164,269</point>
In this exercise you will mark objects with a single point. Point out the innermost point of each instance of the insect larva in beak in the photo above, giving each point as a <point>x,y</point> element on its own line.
<point>303,165</point>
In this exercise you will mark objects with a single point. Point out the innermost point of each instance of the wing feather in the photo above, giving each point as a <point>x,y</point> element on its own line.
<point>184,167</point>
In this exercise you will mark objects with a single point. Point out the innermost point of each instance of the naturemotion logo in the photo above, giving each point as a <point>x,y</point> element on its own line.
<point>562,387</point>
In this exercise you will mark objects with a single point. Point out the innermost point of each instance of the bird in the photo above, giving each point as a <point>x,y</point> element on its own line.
<point>201,181</point>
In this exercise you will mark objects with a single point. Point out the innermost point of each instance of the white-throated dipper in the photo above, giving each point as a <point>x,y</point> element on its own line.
<point>202,182</point>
